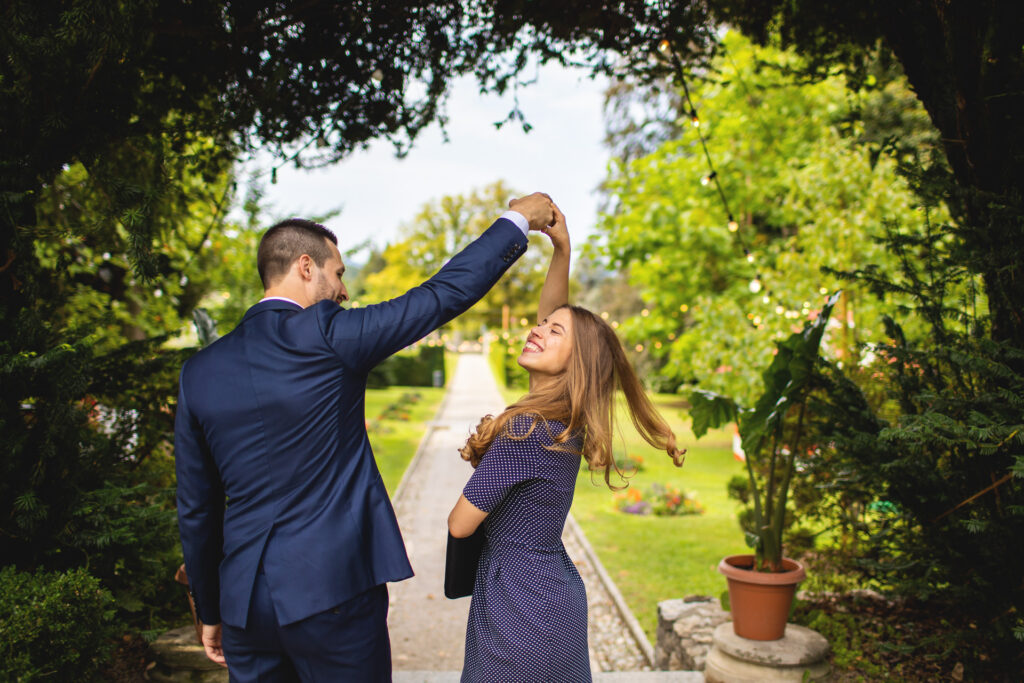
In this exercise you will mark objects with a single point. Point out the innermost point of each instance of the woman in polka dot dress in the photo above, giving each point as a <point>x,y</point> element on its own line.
<point>528,615</point>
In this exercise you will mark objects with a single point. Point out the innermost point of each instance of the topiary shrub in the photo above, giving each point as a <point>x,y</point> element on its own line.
<point>54,626</point>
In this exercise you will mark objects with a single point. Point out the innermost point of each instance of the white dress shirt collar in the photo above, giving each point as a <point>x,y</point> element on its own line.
<point>281,298</point>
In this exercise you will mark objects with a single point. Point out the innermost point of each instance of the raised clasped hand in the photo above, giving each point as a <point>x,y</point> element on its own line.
<point>537,208</point>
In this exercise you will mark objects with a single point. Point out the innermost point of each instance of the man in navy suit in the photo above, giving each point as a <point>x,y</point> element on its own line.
<point>288,533</point>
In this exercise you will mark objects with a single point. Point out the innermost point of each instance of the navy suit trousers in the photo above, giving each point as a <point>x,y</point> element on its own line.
<point>347,643</point>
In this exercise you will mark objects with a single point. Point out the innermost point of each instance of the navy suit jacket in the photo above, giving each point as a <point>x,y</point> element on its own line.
<point>271,453</point>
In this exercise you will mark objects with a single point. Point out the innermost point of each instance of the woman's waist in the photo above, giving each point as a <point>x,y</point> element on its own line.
<point>540,545</point>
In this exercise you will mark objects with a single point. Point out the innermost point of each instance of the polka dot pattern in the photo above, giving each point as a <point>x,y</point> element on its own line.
<point>528,615</point>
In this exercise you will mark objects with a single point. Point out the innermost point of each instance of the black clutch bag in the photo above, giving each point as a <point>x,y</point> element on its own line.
<point>461,560</point>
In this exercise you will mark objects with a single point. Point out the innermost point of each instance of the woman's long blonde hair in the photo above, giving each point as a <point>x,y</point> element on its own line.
<point>583,399</point>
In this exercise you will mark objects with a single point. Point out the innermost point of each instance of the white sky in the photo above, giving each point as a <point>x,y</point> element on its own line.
<point>562,155</point>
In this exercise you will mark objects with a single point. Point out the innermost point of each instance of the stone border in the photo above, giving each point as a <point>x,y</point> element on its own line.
<point>573,527</point>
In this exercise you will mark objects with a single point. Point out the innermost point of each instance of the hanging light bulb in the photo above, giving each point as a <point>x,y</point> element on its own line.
<point>766,299</point>
<point>664,47</point>
<point>733,225</point>
<point>750,257</point>
<point>693,118</point>
<point>779,310</point>
<point>755,285</point>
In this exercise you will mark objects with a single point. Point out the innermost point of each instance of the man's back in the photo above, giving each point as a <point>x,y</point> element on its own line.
<point>284,422</point>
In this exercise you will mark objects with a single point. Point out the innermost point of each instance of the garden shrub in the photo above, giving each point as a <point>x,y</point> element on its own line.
<point>502,357</point>
<point>409,369</point>
<point>87,478</point>
<point>56,626</point>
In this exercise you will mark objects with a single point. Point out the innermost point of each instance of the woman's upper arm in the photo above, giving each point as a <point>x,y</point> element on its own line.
<point>465,518</point>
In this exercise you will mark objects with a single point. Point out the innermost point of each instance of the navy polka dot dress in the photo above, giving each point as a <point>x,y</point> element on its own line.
<point>528,615</point>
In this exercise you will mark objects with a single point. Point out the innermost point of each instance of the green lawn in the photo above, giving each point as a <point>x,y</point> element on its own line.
<point>656,558</point>
<point>395,440</point>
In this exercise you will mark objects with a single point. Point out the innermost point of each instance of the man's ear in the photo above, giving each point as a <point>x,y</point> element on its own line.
<point>305,266</point>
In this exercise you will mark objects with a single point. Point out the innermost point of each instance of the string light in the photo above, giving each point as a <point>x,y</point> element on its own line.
<point>755,285</point>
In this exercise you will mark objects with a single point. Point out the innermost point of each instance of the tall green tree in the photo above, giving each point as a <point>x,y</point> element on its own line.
<point>964,61</point>
<point>804,192</point>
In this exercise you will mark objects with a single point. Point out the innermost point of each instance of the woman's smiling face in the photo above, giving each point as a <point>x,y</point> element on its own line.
<point>549,345</point>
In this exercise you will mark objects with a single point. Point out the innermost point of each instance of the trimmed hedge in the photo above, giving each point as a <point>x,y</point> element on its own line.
<point>54,626</point>
<point>506,369</point>
<point>409,369</point>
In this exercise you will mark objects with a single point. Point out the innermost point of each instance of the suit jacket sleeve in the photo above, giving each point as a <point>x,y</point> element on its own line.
<point>200,510</point>
<point>363,337</point>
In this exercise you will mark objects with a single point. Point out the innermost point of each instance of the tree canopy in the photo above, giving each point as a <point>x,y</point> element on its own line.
<point>807,193</point>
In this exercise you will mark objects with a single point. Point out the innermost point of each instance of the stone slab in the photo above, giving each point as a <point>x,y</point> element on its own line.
<point>601,677</point>
<point>723,668</point>
<point>178,649</point>
<point>800,646</point>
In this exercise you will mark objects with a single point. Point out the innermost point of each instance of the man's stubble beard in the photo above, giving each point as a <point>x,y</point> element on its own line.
<point>323,289</point>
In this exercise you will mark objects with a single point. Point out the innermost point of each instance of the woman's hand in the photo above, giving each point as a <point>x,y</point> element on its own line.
<point>558,231</point>
<point>555,292</point>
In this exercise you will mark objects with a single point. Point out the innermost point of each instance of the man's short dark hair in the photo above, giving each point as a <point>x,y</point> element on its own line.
<point>287,241</point>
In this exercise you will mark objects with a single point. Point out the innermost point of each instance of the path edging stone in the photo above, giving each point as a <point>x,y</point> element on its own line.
<point>613,591</point>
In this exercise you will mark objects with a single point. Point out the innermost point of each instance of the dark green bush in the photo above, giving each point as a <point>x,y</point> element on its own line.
<point>506,369</point>
<point>54,626</point>
<point>409,369</point>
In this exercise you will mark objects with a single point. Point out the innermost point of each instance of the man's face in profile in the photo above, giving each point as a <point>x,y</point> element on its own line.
<point>328,282</point>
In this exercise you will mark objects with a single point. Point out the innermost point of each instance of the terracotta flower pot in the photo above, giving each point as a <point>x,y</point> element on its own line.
<point>760,601</point>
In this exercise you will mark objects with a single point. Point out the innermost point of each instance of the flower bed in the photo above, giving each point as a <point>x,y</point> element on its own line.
<point>662,500</point>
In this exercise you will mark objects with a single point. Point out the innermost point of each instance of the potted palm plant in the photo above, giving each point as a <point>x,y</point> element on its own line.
<point>762,584</point>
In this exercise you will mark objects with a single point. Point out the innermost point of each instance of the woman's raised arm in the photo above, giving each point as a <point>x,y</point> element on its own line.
<point>555,292</point>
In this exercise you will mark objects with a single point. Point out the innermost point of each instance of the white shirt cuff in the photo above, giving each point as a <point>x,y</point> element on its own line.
<point>519,219</point>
